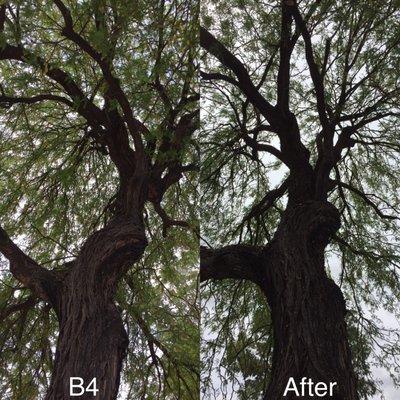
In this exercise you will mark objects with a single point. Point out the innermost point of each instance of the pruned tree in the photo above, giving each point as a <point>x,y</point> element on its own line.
<point>299,170</point>
<point>98,168</point>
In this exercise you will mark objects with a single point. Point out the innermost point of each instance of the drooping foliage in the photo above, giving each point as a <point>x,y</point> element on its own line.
<point>355,50</point>
<point>58,183</point>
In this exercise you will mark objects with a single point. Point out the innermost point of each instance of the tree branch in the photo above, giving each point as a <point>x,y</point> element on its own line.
<point>136,127</point>
<point>8,101</point>
<point>183,130</point>
<point>120,152</point>
<point>226,58</point>
<point>42,282</point>
<point>25,305</point>
<point>366,199</point>
<point>218,76</point>
<point>167,221</point>
<point>266,202</point>
<point>293,151</point>
<point>284,62</point>
<point>370,254</point>
<point>256,145</point>
<point>2,16</point>
<point>84,106</point>
<point>313,68</point>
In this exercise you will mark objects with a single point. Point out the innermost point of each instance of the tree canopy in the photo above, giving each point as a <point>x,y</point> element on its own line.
<point>69,72</point>
<point>333,66</point>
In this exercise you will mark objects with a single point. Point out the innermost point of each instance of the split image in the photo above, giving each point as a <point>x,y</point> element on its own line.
<point>199,200</point>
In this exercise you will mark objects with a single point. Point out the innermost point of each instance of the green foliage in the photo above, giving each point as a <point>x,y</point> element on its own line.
<point>236,341</point>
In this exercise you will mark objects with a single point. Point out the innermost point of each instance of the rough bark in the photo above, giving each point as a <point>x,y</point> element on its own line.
<point>235,262</point>
<point>307,307</point>
<point>92,340</point>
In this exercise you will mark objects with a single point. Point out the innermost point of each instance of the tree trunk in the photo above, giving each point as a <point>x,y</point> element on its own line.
<point>92,340</point>
<point>307,307</point>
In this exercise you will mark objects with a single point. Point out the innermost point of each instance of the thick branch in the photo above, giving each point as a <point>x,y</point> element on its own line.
<point>231,262</point>
<point>41,281</point>
<point>230,61</point>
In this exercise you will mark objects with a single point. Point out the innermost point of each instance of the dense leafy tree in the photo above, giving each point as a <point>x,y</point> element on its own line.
<point>300,155</point>
<point>97,198</point>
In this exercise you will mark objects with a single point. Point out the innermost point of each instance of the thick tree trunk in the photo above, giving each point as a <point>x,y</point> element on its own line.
<point>307,307</point>
<point>92,340</point>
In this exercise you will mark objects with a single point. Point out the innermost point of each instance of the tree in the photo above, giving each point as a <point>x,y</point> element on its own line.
<point>300,151</point>
<point>98,179</point>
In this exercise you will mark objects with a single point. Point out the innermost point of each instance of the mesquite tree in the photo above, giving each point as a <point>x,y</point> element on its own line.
<point>300,154</point>
<point>98,111</point>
